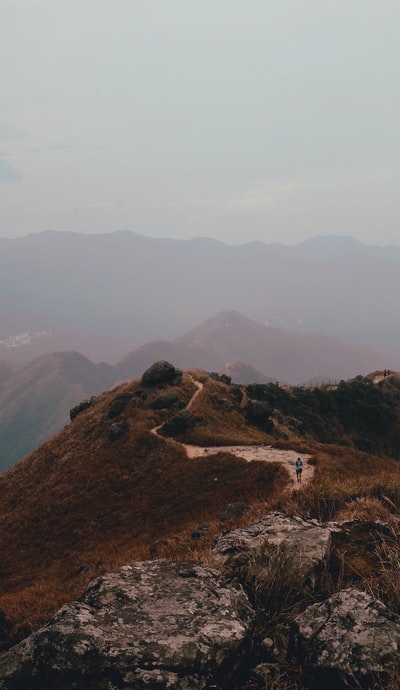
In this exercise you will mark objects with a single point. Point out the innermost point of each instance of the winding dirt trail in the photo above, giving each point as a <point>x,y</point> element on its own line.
<point>261,453</point>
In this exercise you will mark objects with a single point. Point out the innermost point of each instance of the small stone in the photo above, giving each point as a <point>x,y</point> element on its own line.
<point>117,430</point>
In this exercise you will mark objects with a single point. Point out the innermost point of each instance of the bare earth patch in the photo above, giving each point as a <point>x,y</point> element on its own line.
<point>260,454</point>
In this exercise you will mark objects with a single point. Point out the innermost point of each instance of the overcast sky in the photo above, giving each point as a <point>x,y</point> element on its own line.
<point>274,120</point>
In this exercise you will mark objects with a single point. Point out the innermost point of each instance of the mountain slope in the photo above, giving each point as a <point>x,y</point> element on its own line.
<point>86,501</point>
<point>106,490</point>
<point>35,399</point>
<point>242,373</point>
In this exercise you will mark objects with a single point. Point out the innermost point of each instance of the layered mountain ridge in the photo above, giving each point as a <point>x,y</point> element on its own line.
<point>104,295</point>
<point>35,398</point>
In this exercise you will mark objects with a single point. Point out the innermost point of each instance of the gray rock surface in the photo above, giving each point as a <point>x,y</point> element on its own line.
<point>153,624</point>
<point>351,632</point>
<point>117,430</point>
<point>308,540</point>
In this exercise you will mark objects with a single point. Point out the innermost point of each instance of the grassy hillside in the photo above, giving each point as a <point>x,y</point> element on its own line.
<point>82,503</point>
<point>86,502</point>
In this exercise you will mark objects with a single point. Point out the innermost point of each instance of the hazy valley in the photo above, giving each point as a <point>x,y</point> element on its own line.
<point>322,310</point>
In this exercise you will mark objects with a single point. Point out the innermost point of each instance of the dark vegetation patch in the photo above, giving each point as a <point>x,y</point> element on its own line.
<point>357,412</point>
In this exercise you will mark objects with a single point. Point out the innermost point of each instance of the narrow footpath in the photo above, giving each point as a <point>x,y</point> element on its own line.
<point>263,453</point>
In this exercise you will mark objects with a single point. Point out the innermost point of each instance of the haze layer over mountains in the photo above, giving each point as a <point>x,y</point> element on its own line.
<point>105,295</point>
<point>322,310</point>
<point>35,397</point>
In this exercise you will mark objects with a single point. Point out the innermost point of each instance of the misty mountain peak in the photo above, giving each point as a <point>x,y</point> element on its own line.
<point>227,318</point>
<point>331,244</point>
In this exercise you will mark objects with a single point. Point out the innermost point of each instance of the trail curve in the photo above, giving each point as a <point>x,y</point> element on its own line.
<point>261,453</point>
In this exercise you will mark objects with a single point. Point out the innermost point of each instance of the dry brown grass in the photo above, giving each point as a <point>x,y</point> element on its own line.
<point>83,504</point>
<point>384,584</point>
<point>345,481</point>
<point>365,508</point>
<point>223,422</point>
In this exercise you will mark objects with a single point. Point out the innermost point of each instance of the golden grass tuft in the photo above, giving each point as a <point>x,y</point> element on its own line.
<point>365,508</point>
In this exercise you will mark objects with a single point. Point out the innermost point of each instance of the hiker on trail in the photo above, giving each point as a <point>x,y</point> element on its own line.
<point>299,469</point>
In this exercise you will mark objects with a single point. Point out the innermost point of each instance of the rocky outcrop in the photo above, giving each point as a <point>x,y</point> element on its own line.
<point>165,401</point>
<point>161,373</point>
<point>74,411</point>
<point>349,634</point>
<point>164,624</point>
<point>119,403</point>
<point>179,423</point>
<point>232,511</point>
<point>307,539</point>
<point>118,430</point>
<point>153,624</point>
<point>200,532</point>
<point>224,378</point>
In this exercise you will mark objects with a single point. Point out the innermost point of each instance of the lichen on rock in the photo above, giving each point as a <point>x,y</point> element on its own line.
<point>157,624</point>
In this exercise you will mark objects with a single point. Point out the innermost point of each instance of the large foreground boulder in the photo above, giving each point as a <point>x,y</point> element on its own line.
<point>153,625</point>
<point>351,634</point>
<point>307,540</point>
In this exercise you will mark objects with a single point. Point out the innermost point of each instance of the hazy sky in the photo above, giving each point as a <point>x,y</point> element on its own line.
<point>274,120</point>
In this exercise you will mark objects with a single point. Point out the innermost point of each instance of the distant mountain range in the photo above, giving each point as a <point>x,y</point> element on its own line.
<point>230,338</point>
<point>35,397</point>
<point>105,295</point>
